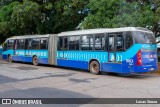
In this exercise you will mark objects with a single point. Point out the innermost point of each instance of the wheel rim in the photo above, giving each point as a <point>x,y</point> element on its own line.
<point>35,61</point>
<point>10,59</point>
<point>95,68</point>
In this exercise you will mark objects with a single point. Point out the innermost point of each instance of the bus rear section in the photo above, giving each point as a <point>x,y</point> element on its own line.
<point>145,59</point>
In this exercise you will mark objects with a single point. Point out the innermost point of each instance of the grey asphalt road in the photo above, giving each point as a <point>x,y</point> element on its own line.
<point>19,80</point>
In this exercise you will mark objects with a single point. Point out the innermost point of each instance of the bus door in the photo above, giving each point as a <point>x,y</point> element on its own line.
<point>27,47</point>
<point>63,46</point>
<point>115,48</point>
<point>15,47</point>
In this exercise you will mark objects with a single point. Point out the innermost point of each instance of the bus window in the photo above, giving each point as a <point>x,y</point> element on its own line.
<point>91,42</point>
<point>144,38</point>
<point>35,43</point>
<point>77,40</point>
<point>26,44</point>
<point>65,43</point>
<point>128,40</point>
<point>30,43</point>
<point>87,42</point>
<point>71,43</point>
<point>17,46</point>
<point>99,42</point>
<point>111,43</point>
<point>74,42</point>
<point>60,43</point>
<point>119,43</point>
<point>43,43</point>
<point>21,43</point>
<point>10,44</point>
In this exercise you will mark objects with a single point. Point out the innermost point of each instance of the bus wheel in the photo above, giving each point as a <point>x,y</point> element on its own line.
<point>35,61</point>
<point>94,67</point>
<point>9,58</point>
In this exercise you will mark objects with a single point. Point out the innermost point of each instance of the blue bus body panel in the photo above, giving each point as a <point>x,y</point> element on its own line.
<point>111,67</point>
<point>4,57</point>
<point>27,59</point>
<point>73,64</point>
<point>43,60</point>
<point>148,63</point>
<point>125,61</point>
<point>27,55</point>
<point>6,53</point>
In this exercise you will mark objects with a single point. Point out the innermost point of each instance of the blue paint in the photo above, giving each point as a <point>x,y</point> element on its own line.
<point>43,60</point>
<point>149,47</point>
<point>38,53</point>
<point>111,67</point>
<point>100,56</point>
<point>80,59</point>
<point>27,59</point>
<point>4,57</point>
<point>73,63</point>
<point>17,58</point>
<point>27,55</point>
<point>11,52</point>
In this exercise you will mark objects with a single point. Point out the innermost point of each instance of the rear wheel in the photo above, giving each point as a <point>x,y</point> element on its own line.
<point>9,58</point>
<point>35,61</point>
<point>94,67</point>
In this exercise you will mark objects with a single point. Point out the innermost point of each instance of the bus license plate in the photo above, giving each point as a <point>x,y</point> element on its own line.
<point>152,69</point>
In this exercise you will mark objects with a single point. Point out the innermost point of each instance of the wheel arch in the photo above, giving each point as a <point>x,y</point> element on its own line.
<point>9,55</point>
<point>34,56</point>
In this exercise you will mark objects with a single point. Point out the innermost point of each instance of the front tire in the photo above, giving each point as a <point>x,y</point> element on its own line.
<point>9,58</point>
<point>35,61</point>
<point>94,67</point>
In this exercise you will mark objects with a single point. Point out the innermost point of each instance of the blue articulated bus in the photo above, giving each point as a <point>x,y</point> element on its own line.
<point>119,50</point>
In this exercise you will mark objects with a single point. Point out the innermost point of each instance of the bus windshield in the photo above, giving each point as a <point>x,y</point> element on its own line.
<point>144,38</point>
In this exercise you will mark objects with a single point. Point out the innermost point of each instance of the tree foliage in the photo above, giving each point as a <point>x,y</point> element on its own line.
<point>21,17</point>
<point>123,13</point>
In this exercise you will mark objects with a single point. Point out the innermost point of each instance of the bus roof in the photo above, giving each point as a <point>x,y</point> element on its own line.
<point>104,30</point>
<point>87,31</point>
<point>29,36</point>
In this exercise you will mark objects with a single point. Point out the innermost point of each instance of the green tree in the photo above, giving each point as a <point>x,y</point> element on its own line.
<point>5,20</point>
<point>20,17</point>
<point>122,13</point>
<point>25,17</point>
<point>101,13</point>
<point>61,15</point>
<point>156,8</point>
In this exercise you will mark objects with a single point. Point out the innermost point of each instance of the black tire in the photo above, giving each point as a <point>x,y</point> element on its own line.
<point>94,67</point>
<point>9,58</point>
<point>35,61</point>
